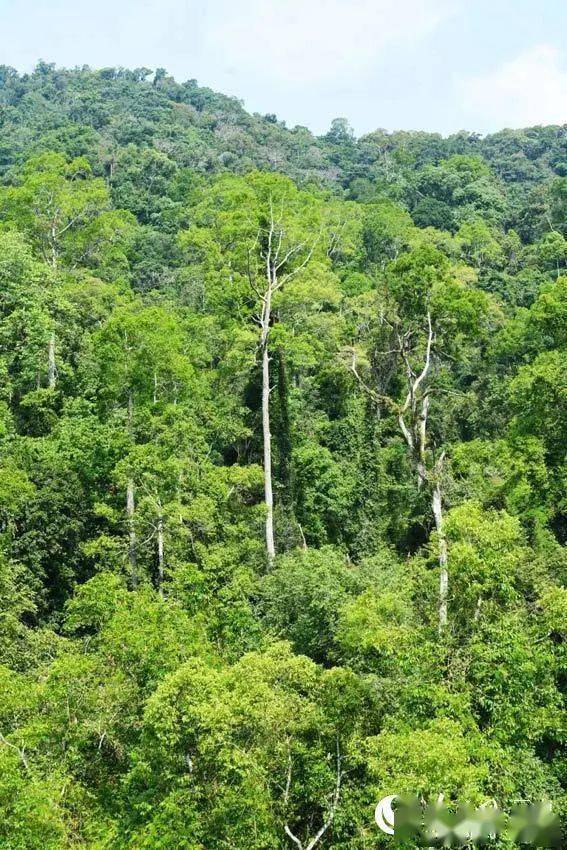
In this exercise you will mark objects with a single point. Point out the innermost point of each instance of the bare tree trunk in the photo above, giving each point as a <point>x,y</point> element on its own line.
<point>275,256</point>
<point>131,505</point>
<point>53,245</point>
<point>415,410</point>
<point>303,540</point>
<point>160,552</point>
<point>437,503</point>
<point>178,491</point>
<point>268,490</point>
<point>133,543</point>
<point>415,434</point>
<point>51,364</point>
<point>421,462</point>
<point>478,609</point>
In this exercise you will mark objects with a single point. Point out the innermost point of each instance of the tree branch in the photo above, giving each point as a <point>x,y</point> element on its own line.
<point>426,367</point>
<point>20,751</point>
<point>333,806</point>
<point>287,830</point>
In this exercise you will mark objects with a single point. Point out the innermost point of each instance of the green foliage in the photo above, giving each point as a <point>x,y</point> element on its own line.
<point>302,599</point>
<point>431,212</point>
<point>160,689</point>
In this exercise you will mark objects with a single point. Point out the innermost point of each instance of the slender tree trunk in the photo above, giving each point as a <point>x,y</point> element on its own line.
<point>416,409</point>
<point>131,504</point>
<point>276,258</point>
<point>160,552</point>
<point>133,542</point>
<point>178,491</point>
<point>268,490</point>
<point>421,461</point>
<point>437,504</point>
<point>51,364</point>
<point>478,609</point>
<point>53,245</point>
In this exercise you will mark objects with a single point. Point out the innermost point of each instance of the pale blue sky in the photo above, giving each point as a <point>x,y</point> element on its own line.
<point>400,64</point>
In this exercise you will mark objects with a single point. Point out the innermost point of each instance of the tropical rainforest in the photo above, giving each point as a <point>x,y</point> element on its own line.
<point>282,469</point>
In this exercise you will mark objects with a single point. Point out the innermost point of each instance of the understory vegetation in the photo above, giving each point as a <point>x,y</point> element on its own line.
<point>282,469</point>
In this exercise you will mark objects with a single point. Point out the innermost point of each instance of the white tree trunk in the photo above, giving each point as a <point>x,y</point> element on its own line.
<point>268,490</point>
<point>160,551</point>
<point>422,428</point>
<point>51,364</point>
<point>277,260</point>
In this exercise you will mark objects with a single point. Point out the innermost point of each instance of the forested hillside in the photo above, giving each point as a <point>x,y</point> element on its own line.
<point>282,469</point>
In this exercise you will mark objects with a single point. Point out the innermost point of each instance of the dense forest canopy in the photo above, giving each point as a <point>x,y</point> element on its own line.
<point>282,485</point>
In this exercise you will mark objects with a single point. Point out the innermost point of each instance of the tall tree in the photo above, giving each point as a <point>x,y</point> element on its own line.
<point>284,257</point>
<point>426,315</point>
<point>267,233</point>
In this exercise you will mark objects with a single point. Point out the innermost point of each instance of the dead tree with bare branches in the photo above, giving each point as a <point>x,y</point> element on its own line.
<point>413,420</point>
<point>281,260</point>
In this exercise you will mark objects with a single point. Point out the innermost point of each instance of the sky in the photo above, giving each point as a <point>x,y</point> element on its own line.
<point>437,65</point>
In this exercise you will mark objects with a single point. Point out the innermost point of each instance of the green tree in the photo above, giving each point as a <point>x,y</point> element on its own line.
<point>65,210</point>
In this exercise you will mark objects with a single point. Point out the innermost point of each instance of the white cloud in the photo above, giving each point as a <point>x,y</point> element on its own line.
<point>315,41</point>
<point>529,89</point>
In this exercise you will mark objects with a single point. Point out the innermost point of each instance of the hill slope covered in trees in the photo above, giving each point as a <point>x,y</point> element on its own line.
<point>282,468</point>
